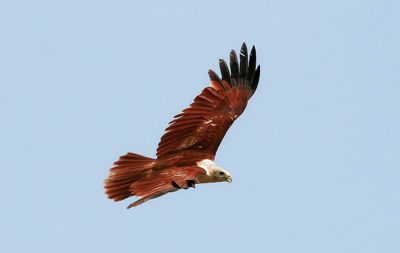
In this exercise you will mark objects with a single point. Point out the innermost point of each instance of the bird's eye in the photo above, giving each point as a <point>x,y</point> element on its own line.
<point>221,173</point>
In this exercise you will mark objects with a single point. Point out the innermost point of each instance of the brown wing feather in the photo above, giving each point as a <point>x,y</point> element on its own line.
<point>203,125</point>
<point>161,182</point>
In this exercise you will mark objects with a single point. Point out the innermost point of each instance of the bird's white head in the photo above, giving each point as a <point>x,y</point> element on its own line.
<point>214,173</point>
<point>222,175</point>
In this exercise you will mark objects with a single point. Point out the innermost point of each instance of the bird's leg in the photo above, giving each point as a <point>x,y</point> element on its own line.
<point>191,183</point>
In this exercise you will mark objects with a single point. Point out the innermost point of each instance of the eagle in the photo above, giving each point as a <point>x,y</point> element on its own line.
<point>186,151</point>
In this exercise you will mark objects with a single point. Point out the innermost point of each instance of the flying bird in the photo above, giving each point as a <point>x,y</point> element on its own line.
<point>186,152</point>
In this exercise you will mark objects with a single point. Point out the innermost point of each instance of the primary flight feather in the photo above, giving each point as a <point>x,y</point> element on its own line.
<point>186,152</point>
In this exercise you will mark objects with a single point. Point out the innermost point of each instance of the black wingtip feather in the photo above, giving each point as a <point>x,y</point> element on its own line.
<point>226,76</point>
<point>243,61</point>
<point>252,64</point>
<point>234,65</point>
<point>215,78</point>
<point>256,78</point>
<point>241,72</point>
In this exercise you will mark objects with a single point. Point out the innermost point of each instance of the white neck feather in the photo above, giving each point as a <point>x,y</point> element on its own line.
<point>207,165</point>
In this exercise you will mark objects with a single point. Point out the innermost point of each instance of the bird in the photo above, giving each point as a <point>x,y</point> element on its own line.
<point>187,149</point>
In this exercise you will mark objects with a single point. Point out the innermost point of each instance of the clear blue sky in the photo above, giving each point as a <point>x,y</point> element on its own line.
<point>315,158</point>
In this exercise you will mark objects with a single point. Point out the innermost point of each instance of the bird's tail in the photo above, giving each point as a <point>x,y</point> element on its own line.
<point>129,168</point>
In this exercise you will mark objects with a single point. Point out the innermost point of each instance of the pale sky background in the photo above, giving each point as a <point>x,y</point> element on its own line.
<point>315,158</point>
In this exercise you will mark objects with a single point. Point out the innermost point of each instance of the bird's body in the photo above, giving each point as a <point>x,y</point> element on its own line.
<point>186,152</point>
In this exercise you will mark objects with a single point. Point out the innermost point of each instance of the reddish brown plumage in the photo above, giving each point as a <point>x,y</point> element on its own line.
<point>193,135</point>
<point>203,125</point>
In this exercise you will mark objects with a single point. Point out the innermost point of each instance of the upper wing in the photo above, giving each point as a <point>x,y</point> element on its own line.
<point>203,125</point>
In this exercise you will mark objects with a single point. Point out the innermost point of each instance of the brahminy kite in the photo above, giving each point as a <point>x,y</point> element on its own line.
<point>186,152</point>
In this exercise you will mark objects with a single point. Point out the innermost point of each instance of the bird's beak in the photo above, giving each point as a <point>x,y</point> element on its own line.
<point>229,179</point>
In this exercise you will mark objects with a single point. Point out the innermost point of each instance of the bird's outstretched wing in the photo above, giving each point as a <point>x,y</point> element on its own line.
<point>203,125</point>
